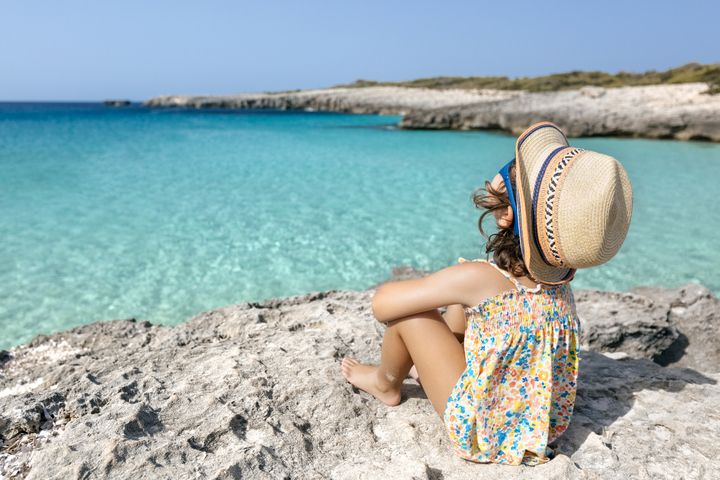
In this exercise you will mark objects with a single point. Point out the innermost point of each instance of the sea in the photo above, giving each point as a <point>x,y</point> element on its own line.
<point>115,213</point>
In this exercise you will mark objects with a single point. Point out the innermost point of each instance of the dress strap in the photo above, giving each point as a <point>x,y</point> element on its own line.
<point>507,275</point>
<point>515,281</point>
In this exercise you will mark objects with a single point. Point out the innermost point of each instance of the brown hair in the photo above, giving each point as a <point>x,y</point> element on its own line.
<point>504,245</point>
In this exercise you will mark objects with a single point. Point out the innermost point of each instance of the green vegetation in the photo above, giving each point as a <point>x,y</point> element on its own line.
<point>690,73</point>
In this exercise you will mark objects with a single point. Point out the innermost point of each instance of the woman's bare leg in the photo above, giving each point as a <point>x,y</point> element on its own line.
<point>423,339</point>
<point>455,319</point>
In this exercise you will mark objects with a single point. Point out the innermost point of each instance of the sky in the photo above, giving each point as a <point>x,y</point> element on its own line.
<point>94,50</point>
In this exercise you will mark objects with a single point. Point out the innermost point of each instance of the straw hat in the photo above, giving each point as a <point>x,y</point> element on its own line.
<point>574,205</point>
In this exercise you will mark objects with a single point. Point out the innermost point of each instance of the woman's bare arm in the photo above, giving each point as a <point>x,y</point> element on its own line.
<point>457,284</point>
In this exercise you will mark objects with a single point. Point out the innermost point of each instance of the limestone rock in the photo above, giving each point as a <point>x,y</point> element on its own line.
<point>682,111</point>
<point>695,312</point>
<point>117,103</point>
<point>677,327</point>
<point>625,322</point>
<point>255,391</point>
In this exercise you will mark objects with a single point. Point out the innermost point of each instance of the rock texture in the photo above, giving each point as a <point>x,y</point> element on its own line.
<point>695,312</point>
<point>660,111</point>
<point>682,112</point>
<point>377,100</point>
<point>631,323</point>
<point>671,327</point>
<point>254,391</point>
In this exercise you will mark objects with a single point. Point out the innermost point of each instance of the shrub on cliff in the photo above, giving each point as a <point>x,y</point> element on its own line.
<point>689,73</point>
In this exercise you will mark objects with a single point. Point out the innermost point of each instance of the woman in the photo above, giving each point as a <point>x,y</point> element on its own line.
<point>500,366</point>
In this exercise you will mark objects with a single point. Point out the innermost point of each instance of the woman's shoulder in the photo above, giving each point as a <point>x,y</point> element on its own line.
<point>478,270</point>
<point>488,271</point>
<point>487,279</point>
<point>475,264</point>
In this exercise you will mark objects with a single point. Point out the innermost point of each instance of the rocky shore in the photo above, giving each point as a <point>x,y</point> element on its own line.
<point>254,391</point>
<point>682,111</point>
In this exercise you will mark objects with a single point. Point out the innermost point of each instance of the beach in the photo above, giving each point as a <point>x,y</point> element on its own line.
<point>200,203</point>
<point>234,206</point>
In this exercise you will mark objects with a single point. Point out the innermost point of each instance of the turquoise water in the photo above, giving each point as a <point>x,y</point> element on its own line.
<point>158,215</point>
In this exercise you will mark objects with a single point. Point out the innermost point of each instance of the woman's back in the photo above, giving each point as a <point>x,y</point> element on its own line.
<point>518,388</point>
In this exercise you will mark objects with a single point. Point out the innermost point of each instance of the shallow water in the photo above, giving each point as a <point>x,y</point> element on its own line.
<point>116,213</point>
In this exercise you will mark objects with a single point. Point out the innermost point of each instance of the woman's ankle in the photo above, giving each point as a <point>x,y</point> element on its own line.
<point>387,381</point>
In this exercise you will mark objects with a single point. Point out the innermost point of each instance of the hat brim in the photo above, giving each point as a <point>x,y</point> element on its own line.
<point>532,148</point>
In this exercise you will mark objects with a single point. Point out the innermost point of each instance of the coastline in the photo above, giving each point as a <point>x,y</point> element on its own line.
<point>681,112</point>
<point>254,390</point>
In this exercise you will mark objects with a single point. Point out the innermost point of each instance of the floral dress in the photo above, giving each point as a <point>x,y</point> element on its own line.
<point>518,388</point>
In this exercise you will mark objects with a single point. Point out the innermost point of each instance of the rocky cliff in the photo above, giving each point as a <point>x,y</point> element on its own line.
<point>255,391</point>
<point>683,111</point>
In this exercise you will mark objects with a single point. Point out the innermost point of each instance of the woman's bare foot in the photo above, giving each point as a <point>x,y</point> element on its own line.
<point>413,373</point>
<point>365,378</point>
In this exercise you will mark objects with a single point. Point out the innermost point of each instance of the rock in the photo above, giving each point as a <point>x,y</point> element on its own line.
<point>254,391</point>
<point>681,111</point>
<point>592,92</point>
<point>695,312</point>
<point>377,100</point>
<point>624,322</point>
<point>677,327</point>
<point>117,103</point>
<point>4,357</point>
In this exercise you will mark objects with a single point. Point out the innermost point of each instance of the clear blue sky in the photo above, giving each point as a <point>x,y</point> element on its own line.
<point>92,50</point>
